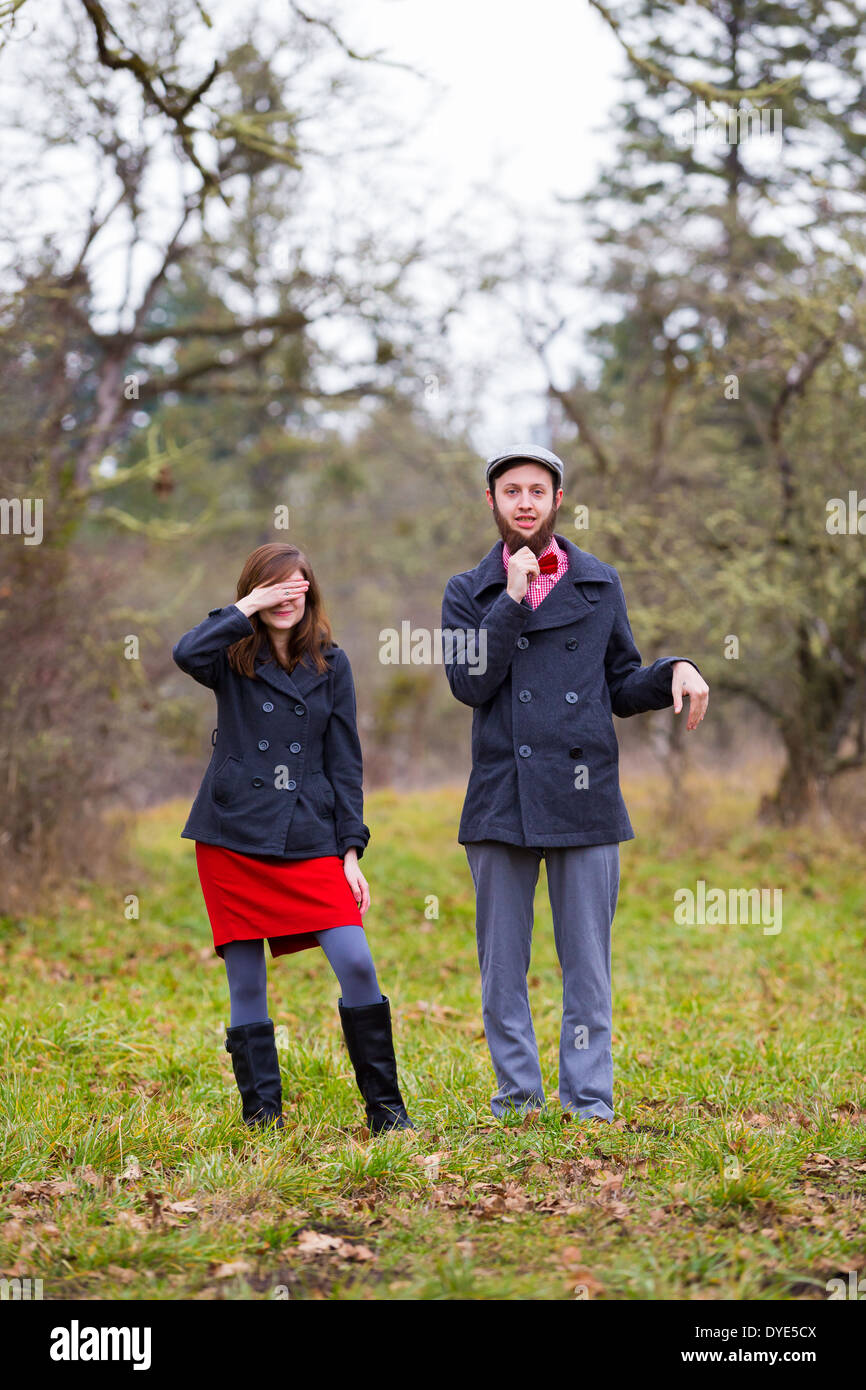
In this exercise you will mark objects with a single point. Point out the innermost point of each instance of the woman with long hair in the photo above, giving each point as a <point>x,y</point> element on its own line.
<point>278,824</point>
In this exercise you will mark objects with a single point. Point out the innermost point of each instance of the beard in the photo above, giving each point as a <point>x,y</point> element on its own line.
<point>516,539</point>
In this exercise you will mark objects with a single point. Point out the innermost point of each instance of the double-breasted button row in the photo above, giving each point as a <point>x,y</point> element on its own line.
<point>570,695</point>
<point>571,644</point>
<point>264,744</point>
<point>269,705</point>
<point>525,751</point>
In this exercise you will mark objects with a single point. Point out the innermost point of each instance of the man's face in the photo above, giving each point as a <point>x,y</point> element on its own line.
<point>525,506</point>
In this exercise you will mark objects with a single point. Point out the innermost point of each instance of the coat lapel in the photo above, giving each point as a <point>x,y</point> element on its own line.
<point>303,679</point>
<point>570,599</point>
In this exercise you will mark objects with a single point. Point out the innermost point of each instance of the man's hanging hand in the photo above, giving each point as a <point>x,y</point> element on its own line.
<point>687,680</point>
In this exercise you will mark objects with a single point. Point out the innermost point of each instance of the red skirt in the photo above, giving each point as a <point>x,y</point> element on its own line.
<point>253,897</point>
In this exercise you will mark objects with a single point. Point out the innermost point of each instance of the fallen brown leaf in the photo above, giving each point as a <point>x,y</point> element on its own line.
<point>231,1269</point>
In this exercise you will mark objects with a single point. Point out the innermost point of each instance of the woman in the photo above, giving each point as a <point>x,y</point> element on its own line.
<point>278,824</point>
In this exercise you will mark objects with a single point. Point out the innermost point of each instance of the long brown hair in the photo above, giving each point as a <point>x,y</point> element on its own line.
<point>267,565</point>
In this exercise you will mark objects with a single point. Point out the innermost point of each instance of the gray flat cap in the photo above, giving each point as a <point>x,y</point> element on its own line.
<point>532,453</point>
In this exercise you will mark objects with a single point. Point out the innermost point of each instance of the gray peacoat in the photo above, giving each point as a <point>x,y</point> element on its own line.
<point>545,757</point>
<point>285,777</point>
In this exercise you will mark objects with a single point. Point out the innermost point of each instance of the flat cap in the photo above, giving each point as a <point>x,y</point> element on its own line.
<point>531,453</point>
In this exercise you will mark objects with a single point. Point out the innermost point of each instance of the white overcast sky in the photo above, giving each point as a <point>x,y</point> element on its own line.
<point>523,98</point>
<point>525,84</point>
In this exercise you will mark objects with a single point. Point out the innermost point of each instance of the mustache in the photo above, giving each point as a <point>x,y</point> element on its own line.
<point>516,539</point>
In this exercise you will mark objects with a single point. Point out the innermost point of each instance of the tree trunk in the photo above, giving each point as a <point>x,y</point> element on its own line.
<point>803,790</point>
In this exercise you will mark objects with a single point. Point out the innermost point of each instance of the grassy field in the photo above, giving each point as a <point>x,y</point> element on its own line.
<point>736,1167</point>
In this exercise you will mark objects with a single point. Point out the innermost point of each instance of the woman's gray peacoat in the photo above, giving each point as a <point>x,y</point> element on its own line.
<point>286,774</point>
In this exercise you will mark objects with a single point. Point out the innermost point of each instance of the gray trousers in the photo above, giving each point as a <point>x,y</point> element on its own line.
<point>583,884</point>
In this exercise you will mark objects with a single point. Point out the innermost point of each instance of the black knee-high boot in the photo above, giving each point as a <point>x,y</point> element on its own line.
<point>367,1030</point>
<point>257,1072</point>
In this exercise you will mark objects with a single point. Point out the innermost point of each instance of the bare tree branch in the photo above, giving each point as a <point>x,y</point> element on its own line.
<point>351,52</point>
<point>176,106</point>
<point>708,90</point>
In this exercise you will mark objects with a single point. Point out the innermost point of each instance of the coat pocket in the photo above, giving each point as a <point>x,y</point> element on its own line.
<point>225,779</point>
<point>601,728</point>
<point>324,797</point>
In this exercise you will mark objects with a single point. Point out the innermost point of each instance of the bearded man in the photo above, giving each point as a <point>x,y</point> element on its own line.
<point>560,661</point>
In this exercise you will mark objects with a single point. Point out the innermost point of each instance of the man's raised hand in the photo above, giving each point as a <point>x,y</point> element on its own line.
<point>522,566</point>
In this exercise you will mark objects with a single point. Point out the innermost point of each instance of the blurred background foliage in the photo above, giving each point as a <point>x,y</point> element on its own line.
<point>262,348</point>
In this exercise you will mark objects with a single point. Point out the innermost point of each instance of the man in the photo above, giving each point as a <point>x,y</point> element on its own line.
<point>559,658</point>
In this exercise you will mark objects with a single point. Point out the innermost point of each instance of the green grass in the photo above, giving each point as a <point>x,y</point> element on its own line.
<point>736,1168</point>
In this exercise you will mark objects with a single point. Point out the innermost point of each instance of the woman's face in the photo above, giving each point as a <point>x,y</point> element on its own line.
<point>288,612</point>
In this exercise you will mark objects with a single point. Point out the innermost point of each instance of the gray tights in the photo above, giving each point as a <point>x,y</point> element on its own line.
<point>348,953</point>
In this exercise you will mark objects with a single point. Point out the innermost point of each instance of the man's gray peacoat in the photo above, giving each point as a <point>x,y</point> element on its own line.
<point>286,774</point>
<point>545,757</point>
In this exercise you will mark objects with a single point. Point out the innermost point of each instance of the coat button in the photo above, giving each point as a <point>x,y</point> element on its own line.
<point>575,752</point>
<point>258,782</point>
<point>524,750</point>
<point>525,695</point>
<point>267,706</point>
<point>263,744</point>
<point>299,709</point>
<point>290,786</point>
<point>571,643</point>
<point>523,643</point>
<point>571,697</point>
<point>294,748</point>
